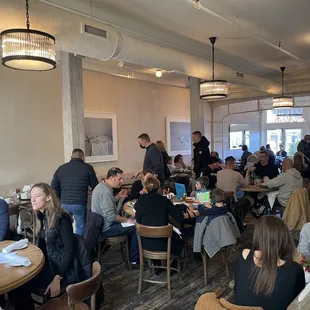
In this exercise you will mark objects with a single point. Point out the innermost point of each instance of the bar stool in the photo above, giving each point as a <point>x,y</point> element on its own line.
<point>121,242</point>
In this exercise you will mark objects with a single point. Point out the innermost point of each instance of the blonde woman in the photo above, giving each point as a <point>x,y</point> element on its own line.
<point>56,240</point>
<point>161,146</point>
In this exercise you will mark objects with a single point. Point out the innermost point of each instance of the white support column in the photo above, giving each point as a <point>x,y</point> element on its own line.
<point>197,107</point>
<point>72,103</point>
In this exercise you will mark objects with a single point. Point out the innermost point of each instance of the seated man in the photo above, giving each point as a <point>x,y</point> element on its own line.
<point>103,203</point>
<point>244,157</point>
<point>4,220</point>
<point>264,168</point>
<point>211,170</point>
<point>229,180</point>
<point>287,182</point>
<point>137,186</point>
<point>216,155</point>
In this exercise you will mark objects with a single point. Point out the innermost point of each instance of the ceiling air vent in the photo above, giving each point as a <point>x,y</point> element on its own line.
<point>93,31</point>
<point>239,75</point>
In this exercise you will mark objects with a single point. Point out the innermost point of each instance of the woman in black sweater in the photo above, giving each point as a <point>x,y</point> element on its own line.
<point>266,276</point>
<point>161,146</point>
<point>153,209</point>
<point>56,240</point>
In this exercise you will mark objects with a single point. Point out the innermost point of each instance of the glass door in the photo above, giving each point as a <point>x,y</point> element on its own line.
<point>274,139</point>
<point>292,138</point>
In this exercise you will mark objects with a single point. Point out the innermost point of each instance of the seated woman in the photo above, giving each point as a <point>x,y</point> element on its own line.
<point>266,276</point>
<point>216,208</point>
<point>153,209</point>
<point>251,161</point>
<point>178,162</point>
<point>300,165</point>
<point>56,240</point>
<point>137,186</point>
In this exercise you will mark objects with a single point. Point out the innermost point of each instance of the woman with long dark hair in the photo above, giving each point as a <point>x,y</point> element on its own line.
<point>56,240</point>
<point>161,146</point>
<point>266,276</point>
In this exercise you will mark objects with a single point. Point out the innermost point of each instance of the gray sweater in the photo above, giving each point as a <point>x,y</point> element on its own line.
<point>287,182</point>
<point>103,203</point>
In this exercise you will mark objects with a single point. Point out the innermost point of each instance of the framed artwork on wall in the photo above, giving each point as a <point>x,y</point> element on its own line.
<point>178,136</point>
<point>100,137</point>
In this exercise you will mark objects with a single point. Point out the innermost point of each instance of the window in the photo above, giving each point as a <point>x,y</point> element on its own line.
<point>289,138</point>
<point>239,134</point>
<point>292,138</point>
<point>236,139</point>
<point>274,138</point>
<point>294,115</point>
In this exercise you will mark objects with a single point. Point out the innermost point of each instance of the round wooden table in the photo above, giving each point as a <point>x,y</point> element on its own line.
<point>130,210</point>
<point>256,189</point>
<point>13,277</point>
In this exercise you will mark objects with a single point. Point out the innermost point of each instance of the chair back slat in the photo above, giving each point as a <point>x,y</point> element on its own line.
<point>154,231</point>
<point>229,195</point>
<point>80,291</point>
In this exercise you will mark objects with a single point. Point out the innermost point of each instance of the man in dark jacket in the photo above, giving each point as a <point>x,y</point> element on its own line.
<point>201,152</point>
<point>304,146</point>
<point>4,220</point>
<point>153,159</point>
<point>244,156</point>
<point>71,182</point>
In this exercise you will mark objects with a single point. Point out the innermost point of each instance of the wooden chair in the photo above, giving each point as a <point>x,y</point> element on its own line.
<point>121,242</point>
<point>230,199</point>
<point>189,244</point>
<point>31,225</point>
<point>157,232</point>
<point>209,301</point>
<point>77,293</point>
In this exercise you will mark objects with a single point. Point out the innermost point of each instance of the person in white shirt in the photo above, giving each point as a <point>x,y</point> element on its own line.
<point>230,180</point>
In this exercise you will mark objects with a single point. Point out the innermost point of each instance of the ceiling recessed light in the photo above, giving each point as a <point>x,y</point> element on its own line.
<point>158,73</point>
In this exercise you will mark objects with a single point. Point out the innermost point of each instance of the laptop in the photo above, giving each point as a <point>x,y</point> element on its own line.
<point>202,196</point>
<point>180,190</point>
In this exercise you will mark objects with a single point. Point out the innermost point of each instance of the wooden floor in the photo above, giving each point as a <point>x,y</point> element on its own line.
<point>121,285</point>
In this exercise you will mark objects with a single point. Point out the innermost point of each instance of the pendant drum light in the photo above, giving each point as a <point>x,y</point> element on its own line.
<point>283,102</point>
<point>215,89</point>
<point>28,49</point>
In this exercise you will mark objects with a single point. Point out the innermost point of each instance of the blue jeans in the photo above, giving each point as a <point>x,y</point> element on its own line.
<point>118,230</point>
<point>79,213</point>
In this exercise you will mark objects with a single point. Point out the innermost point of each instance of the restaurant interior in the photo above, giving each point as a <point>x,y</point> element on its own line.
<point>96,74</point>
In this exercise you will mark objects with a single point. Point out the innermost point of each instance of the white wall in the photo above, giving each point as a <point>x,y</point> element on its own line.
<point>31,133</point>
<point>139,107</point>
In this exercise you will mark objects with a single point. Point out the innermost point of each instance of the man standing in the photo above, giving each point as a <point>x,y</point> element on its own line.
<point>104,203</point>
<point>304,146</point>
<point>201,152</point>
<point>71,182</point>
<point>153,159</point>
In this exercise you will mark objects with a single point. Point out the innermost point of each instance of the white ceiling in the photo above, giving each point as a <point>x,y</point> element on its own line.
<point>248,31</point>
